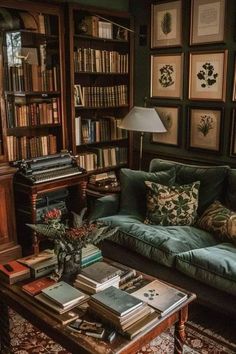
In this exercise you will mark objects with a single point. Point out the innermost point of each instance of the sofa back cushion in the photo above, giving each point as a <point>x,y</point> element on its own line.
<point>133,189</point>
<point>231,190</point>
<point>212,179</point>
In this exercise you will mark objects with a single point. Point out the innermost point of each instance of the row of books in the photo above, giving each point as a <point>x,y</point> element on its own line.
<point>101,61</point>
<point>102,157</point>
<point>103,179</point>
<point>104,96</point>
<point>23,115</point>
<point>24,147</point>
<point>32,77</point>
<point>90,130</point>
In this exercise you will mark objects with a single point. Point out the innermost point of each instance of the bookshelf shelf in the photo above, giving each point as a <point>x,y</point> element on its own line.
<point>43,94</point>
<point>99,39</point>
<point>103,107</point>
<point>99,73</point>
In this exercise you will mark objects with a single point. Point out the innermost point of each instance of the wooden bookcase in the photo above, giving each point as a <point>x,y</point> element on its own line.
<point>99,86</point>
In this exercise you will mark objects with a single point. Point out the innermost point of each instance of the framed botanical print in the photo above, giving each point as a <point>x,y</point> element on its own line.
<point>204,128</point>
<point>166,24</point>
<point>207,21</point>
<point>207,75</point>
<point>233,135</point>
<point>170,117</point>
<point>166,75</point>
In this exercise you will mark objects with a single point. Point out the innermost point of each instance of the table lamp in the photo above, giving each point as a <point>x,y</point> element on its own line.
<point>142,119</point>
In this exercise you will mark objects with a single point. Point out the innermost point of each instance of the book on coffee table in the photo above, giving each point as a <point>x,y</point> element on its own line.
<point>100,271</point>
<point>160,296</point>
<point>13,271</point>
<point>36,286</point>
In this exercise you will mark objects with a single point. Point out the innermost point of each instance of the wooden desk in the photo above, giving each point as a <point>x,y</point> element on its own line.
<point>29,308</point>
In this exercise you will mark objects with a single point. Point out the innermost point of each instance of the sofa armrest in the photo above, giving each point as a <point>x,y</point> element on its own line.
<point>105,206</point>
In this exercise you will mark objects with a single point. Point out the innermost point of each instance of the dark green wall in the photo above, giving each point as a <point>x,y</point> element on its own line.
<point>121,5</point>
<point>141,11</point>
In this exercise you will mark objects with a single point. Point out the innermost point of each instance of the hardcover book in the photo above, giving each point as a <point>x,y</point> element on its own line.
<point>36,258</point>
<point>63,294</point>
<point>35,287</point>
<point>160,296</point>
<point>13,271</point>
<point>100,271</point>
<point>117,301</point>
<point>53,305</point>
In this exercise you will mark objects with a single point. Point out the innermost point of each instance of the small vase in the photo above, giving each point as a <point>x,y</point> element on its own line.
<point>69,264</point>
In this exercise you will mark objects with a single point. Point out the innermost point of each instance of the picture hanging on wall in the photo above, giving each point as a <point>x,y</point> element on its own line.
<point>170,116</point>
<point>166,24</point>
<point>166,75</point>
<point>204,128</point>
<point>233,135</point>
<point>207,21</point>
<point>207,75</point>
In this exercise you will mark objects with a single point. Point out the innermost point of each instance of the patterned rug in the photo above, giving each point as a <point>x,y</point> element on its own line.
<point>26,339</point>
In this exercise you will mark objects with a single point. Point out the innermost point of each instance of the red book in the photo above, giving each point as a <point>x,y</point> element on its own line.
<point>13,272</point>
<point>35,287</point>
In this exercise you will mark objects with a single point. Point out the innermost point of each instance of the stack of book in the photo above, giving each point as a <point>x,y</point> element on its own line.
<point>97,277</point>
<point>90,254</point>
<point>13,272</point>
<point>104,180</point>
<point>124,312</point>
<point>61,297</point>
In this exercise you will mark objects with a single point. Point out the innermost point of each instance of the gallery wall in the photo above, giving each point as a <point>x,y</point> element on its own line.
<point>188,149</point>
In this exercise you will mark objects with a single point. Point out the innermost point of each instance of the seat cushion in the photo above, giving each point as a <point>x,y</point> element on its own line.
<point>159,243</point>
<point>171,205</point>
<point>212,179</point>
<point>215,266</point>
<point>133,189</point>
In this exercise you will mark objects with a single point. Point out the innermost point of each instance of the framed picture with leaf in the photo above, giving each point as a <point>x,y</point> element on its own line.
<point>207,21</point>
<point>204,128</point>
<point>167,75</point>
<point>170,117</point>
<point>166,24</point>
<point>207,75</point>
<point>233,134</point>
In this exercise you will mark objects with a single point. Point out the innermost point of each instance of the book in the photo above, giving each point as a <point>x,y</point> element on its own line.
<point>93,288</point>
<point>13,272</point>
<point>117,301</point>
<point>93,329</point>
<point>36,286</point>
<point>53,305</point>
<point>63,294</point>
<point>100,271</point>
<point>36,258</point>
<point>160,296</point>
<point>43,268</point>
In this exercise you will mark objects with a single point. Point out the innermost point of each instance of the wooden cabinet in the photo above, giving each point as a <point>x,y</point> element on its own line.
<point>8,240</point>
<point>99,91</point>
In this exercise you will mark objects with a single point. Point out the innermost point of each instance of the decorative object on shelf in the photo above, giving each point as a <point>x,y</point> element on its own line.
<point>166,75</point>
<point>69,241</point>
<point>207,75</point>
<point>205,128</point>
<point>166,24</point>
<point>170,116</point>
<point>142,119</point>
<point>207,21</point>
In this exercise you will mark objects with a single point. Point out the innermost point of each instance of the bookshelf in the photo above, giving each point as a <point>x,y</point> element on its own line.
<point>99,66</point>
<point>33,79</point>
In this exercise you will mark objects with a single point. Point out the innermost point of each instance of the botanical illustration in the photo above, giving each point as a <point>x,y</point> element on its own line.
<point>205,125</point>
<point>169,118</point>
<point>166,73</point>
<point>207,75</point>
<point>166,23</point>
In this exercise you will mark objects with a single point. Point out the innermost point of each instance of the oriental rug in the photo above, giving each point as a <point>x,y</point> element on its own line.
<point>26,339</point>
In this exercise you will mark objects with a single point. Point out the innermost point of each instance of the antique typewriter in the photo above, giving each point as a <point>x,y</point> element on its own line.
<point>48,168</point>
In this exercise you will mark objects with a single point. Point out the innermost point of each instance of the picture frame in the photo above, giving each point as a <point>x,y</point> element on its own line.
<point>204,128</point>
<point>167,75</point>
<point>78,96</point>
<point>207,21</point>
<point>170,116</point>
<point>207,75</point>
<point>233,134</point>
<point>166,24</point>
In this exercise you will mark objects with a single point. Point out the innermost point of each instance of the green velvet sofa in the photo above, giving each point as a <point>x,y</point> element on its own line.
<point>183,255</point>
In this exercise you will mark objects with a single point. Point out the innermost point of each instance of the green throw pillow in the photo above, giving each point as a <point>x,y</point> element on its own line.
<point>133,189</point>
<point>219,220</point>
<point>172,205</point>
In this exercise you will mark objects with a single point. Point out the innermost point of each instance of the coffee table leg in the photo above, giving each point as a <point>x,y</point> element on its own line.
<point>4,329</point>
<point>179,336</point>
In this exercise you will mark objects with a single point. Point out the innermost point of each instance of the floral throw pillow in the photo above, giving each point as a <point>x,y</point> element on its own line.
<point>220,221</point>
<point>174,205</point>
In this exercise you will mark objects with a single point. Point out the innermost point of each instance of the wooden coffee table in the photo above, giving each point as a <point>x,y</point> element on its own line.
<point>29,308</point>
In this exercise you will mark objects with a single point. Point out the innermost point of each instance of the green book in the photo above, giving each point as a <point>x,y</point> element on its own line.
<point>100,272</point>
<point>117,301</point>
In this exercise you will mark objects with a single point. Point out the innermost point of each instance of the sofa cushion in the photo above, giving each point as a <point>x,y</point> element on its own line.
<point>212,179</point>
<point>160,243</point>
<point>133,189</point>
<point>215,266</point>
<point>231,190</point>
<point>219,220</point>
<point>171,205</point>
